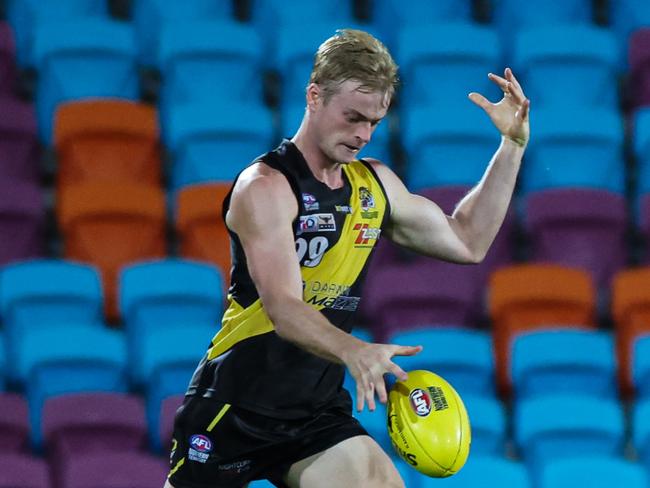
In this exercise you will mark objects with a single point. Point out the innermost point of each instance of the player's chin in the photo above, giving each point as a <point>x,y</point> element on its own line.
<point>346,154</point>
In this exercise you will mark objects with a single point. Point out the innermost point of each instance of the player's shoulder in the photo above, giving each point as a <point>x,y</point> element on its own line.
<point>261,180</point>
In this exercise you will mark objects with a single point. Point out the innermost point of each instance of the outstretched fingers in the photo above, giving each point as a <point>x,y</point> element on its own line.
<point>481,101</point>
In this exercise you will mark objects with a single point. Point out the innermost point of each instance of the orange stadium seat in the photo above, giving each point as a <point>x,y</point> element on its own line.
<point>631,313</point>
<point>111,225</point>
<point>203,234</point>
<point>107,140</point>
<point>527,297</point>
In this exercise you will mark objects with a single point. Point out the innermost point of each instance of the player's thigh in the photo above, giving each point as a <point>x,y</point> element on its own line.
<point>357,462</point>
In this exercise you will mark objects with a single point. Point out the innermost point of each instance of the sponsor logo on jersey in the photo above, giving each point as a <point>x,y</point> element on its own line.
<point>317,223</point>
<point>365,235</point>
<point>420,402</point>
<point>346,209</point>
<point>367,203</point>
<point>200,448</point>
<point>310,202</point>
<point>349,304</point>
<point>236,467</point>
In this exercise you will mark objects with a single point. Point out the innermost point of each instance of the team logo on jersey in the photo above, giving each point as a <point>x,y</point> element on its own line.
<point>317,223</point>
<point>367,203</point>
<point>310,202</point>
<point>200,448</point>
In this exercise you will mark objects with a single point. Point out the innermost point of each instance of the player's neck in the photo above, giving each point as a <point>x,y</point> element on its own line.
<point>323,168</point>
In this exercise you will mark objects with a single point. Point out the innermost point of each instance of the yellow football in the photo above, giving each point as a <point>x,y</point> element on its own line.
<point>428,424</point>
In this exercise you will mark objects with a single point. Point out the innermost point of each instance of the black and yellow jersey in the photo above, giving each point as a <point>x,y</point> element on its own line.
<point>247,363</point>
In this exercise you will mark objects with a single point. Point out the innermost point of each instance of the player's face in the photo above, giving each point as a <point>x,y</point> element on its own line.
<point>344,125</point>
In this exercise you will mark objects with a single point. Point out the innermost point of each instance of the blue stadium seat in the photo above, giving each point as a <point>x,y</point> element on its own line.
<point>84,58</point>
<point>641,145</point>
<point>198,65</point>
<point>378,147</point>
<point>641,429</point>
<point>442,63</point>
<point>26,15</point>
<point>625,17</point>
<point>585,59</point>
<point>462,356</point>
<point>41,291</point>
<point>564,360</point>
<point>206,147</point>
<point>447,145</point>
<point>261,484</point>
<point>389,16</point>
<point>558,425</point>
<point>487,417</point>
<point>641,367</point>
<point>78,357</point>
<point>484,472</point>
<point>151,16</point>
<point>584,150</point>
<point>594,472</point>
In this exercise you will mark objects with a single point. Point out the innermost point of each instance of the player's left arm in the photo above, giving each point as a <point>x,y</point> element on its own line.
<point>465,236</point>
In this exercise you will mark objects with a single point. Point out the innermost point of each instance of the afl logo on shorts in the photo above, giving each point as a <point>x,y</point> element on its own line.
<point>201,443</point>
<point>420,402</point>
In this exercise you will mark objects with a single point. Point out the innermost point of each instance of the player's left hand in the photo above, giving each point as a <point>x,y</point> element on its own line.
<point>510,115</point>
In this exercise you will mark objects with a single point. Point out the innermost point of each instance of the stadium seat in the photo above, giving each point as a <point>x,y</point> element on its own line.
<point>585,57</point>
<point>19,148</point>
<point>447,145</point>
<point>641,366</point>
<point>71,363</point>
<point>509,13</point>
<point>442,63</point>
<point>261,484</point>
<point>35,292</point>
<point>582,426</point>
<point>25,16</point>
<point>579,227</point>
<point>23,471</point>
<point>206,147</point>
<point>101,53</point>
<point>626,17</point>
<point>165,428</point>
<point>631,313</point>
<point>7,59</point>
<point>111,232</point>
<point>92,422</point>
<point>489,424</point>
<point>107,140</point>
<point>389,16</point>
<point>22,216</point>
<point>151,16</point>
<point>374,422</point>
<point>197,65</point>
<point>14,423</point>
<point>639,61</point>
<point>564,361</point>
<point>110,470</point>
<point>3,362</point>
<point>641,145</point>
<point>422,291</point>
<point>462,356</point>
<point>584,150</point>
<point>379,146</point>
<point>640,435</point>
<point>522,298</point>
<point>484,472</point>
<point>593,471</point>
<point>200,227</point>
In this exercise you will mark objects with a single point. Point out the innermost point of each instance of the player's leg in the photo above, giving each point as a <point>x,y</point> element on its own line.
<point>357,462</point>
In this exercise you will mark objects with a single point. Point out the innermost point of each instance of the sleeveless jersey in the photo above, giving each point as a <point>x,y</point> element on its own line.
<point>247,363</point>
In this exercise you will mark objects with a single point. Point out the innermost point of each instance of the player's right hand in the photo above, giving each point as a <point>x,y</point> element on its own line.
<point>368,363</point>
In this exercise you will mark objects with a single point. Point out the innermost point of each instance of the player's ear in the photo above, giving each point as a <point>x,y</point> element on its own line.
<point>314,95</point>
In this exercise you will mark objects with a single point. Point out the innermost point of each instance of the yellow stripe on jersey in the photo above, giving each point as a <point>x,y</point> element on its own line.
<point>339,268</point>
<point>342,264</point>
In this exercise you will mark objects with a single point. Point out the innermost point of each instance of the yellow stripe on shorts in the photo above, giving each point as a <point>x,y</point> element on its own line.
<point>178,465</point>
<point>221,413</point>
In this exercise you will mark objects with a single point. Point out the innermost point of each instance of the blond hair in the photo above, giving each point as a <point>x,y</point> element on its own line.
<point>354,55</point>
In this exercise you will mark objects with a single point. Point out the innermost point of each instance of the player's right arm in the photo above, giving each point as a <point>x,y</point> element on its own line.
<point>262,209</point>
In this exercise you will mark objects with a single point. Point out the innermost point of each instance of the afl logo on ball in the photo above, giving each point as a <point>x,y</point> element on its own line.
<point>201,443</point>
<point>420,402</point>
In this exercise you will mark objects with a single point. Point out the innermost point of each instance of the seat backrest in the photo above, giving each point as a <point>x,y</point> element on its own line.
<point>525,297</point>
<point>168,410</point>
<point>596,471</point>
<point>14,423</point>
<point>112,469</point>
<point>579,227</point>
<point>485,470</point>
<point>111,232</point>
<point>22,216</point>
<point>203,233</point>
<point>19,149</point>
<point>36,292</point>
<point>489,424</point>
<point>7,59</point>
<point>641,144</point>
<point>107,140</point>
<point>639,59</point>
<point>24,471</point>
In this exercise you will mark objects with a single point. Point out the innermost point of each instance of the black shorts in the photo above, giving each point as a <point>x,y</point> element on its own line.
<point>217,445</point>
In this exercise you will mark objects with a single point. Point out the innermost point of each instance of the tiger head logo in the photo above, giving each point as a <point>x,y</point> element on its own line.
<point>367,200</point>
